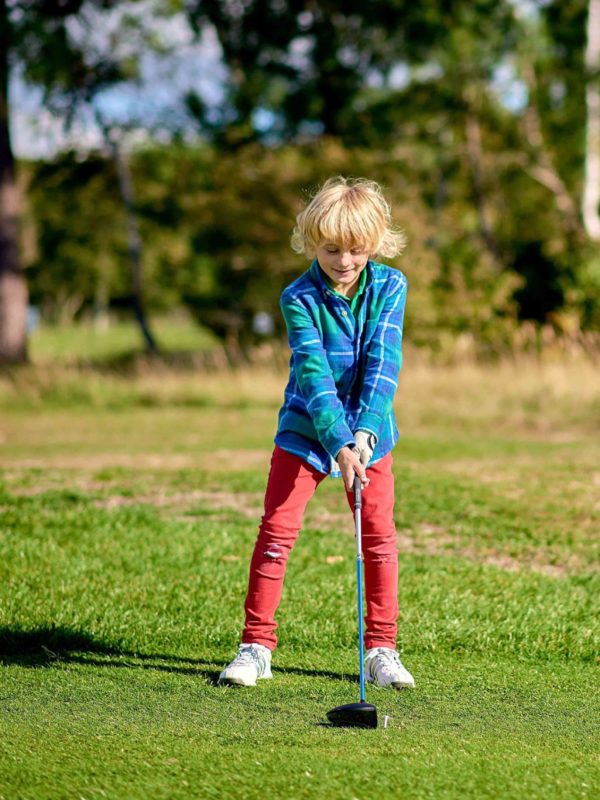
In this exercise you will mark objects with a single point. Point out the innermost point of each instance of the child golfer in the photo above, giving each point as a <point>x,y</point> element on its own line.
<point>344,319</point>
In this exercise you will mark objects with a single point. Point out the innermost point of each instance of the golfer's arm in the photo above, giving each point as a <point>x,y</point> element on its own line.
<point>315,378</point>
<point>383,361</point>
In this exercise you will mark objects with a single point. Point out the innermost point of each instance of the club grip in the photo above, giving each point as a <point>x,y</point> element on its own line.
<point>357,492</point>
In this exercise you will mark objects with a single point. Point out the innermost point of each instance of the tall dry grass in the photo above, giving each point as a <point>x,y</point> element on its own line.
<point>529,394</point>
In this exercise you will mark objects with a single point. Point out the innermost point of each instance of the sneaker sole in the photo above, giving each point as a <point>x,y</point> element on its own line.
<point>395,685</point>
<point>399,685</point>
<point>234,682</point>
<point>241,682</point>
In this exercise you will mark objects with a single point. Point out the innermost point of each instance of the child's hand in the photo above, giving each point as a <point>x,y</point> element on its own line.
<point>350,466</point>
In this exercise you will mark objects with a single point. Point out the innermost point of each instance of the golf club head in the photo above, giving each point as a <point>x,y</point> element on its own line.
<point>353,715</point>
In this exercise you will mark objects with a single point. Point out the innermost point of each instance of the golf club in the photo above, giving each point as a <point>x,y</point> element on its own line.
<point>362,714</point>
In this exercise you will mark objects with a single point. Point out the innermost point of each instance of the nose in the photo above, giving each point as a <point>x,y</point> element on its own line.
<point>346,259</point>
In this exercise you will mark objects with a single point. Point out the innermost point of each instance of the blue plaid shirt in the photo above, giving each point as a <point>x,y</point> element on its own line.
<point>343,370</point>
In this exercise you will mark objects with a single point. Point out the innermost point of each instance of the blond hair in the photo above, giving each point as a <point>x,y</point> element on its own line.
<point>348,211</point>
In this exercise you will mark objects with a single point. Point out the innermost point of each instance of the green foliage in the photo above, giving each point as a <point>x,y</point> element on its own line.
<point>559,61</point>
<point>311,70</point>
<point>81,236</point>
<point>215,229</point>
<point>305,64</point>
<point>485,188</point>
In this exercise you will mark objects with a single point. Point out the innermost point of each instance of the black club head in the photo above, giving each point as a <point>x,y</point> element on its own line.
<point>353,715</point>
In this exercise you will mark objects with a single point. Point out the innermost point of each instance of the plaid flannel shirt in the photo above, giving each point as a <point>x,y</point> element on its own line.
<point>343,371</point>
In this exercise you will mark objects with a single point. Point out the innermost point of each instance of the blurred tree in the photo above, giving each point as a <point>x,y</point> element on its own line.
<point>430,75</point>
<point>134,240</point>
<point>591,189</point>
<point>13,289</point>
<point>472,116</point>
<point>80,241</point>
<point>306,67</point>
<point>558,58</point>
<point>80,263</point>
<point>38,37</point>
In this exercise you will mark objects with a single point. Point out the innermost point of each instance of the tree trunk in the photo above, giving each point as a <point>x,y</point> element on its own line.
<point>475,158</point>
<point>591,189</point>
<point>541,166</point>
<point>134,245</point>
<point>13,289</point>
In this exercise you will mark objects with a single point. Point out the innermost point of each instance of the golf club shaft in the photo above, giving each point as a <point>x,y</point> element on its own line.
<point>359,581</point>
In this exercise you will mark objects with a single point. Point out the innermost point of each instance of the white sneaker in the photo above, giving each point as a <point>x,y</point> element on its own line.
<point>252,662</point>
<point>383,667</point>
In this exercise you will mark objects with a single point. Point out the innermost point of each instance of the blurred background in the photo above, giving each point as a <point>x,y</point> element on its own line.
<point>153,156</point>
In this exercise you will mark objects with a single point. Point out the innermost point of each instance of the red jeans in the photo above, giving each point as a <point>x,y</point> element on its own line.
<point>292,482</point>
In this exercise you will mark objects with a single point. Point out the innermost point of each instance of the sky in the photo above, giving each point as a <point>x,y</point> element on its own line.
<point>155,98</point>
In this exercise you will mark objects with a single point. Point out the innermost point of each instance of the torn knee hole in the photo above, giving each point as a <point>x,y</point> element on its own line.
<point>273,551</point>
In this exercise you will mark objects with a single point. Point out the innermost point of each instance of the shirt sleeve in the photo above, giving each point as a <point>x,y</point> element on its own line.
<point>382,363</point>
<point>315,378</point>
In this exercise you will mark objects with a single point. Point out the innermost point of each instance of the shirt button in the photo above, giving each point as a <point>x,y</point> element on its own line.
<point>344,313</point>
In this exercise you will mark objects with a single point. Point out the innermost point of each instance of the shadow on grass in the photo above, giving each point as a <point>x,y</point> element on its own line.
<point>49,644</point>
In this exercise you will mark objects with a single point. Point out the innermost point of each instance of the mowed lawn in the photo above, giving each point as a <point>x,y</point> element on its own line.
<point>127,518</point>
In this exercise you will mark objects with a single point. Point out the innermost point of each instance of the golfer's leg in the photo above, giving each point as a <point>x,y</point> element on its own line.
<point>292,482</point>
<point>380,554</point>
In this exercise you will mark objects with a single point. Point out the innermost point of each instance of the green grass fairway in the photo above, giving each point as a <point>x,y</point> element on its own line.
<point>125,534</point>
<point>84,343</point>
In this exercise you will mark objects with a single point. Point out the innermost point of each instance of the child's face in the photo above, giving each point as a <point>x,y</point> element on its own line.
<point>342,264</point>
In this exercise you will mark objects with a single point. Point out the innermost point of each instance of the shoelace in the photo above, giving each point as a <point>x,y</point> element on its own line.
<point>387,658</point>
<point>249,655</point>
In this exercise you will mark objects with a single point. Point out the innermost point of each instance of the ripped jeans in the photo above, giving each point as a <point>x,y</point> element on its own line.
<point>292,482</point>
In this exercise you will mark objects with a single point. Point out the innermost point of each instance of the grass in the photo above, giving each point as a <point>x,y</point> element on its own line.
<point>78,342</point>
<point>127,515</point>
